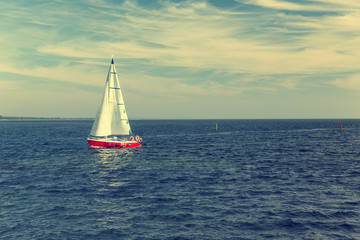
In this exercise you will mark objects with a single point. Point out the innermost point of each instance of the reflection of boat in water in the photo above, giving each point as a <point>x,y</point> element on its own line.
<point>111,158</point>
<point>111,128</point>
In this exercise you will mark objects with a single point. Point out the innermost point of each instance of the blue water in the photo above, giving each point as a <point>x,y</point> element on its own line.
<point>251,179</point>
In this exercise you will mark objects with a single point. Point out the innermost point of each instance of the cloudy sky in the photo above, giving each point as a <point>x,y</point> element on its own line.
<point>182,59</point>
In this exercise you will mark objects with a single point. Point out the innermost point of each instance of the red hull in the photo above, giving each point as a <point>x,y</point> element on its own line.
<point>103,144</point>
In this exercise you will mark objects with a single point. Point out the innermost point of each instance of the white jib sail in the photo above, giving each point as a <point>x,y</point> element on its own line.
<point>111,118</point>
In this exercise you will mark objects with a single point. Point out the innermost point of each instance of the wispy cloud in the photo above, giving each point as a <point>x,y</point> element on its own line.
<point>351,82</point>
<point>198,35</point>
<point>285,5</point>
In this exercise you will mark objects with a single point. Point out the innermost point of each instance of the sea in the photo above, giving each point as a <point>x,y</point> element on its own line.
<point>247,179</point>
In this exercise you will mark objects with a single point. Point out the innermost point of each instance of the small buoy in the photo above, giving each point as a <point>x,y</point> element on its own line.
<point>341,129</point>
<point>216,126</point>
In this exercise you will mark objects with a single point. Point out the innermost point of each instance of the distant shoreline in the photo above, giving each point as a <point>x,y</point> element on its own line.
<point>5,118</point>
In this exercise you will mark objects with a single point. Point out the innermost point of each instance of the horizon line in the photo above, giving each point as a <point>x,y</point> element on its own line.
<point>9,118</point>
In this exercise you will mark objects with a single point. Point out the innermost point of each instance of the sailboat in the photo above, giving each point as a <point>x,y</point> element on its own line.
<point>111,127</point>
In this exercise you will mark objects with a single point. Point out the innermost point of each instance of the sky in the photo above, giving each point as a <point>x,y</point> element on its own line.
<point>181,59</point>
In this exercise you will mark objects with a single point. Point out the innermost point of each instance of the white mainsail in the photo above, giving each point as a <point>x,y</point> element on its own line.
<point>111,118</point>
